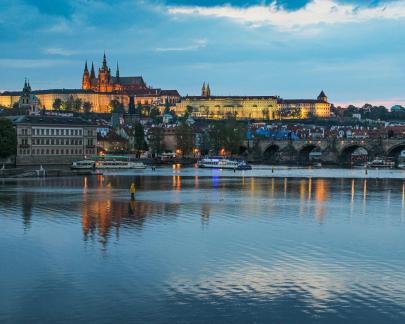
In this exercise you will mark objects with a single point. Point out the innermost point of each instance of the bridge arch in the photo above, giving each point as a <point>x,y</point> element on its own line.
<point>270,154</point>
<point>347,151</point>
<point>304,152</point>
<point>243,150</point>
<point>395,150</point>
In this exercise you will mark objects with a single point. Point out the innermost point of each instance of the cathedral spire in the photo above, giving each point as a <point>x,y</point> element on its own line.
<point>92,73</point>
<point>104,61</point>
<point>208,90</point>
<point>203,90</point>
<point>117,74</point>
<point>86,70</point>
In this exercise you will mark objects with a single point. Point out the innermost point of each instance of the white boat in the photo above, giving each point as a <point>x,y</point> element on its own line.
<point>222,163</point>
<point>113,164</point>
<point>381,163</point>
<point>83,165</point>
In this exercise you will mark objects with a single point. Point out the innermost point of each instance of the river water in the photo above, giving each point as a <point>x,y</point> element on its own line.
<point>204,246</point>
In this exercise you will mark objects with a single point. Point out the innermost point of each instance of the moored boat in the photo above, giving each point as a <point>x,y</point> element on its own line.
<point>113,164</point>
<point>83,165</point>
<point>223,163</point>
<point>381,163</point>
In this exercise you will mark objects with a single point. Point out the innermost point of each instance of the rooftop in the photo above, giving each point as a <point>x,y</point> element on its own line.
<point>52,120</point>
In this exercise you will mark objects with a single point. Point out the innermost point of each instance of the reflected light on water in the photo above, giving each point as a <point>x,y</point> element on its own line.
<point>184,250</point>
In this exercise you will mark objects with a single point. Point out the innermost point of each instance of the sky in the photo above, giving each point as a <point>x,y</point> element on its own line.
<point>353,50</point>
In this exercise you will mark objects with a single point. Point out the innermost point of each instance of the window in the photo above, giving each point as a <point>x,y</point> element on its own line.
<point>52,131</point>
<point>47,132</point>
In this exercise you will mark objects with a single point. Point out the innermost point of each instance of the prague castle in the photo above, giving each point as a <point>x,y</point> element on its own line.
<point>99,90</point>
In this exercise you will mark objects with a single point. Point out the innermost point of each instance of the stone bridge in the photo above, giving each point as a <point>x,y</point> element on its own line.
<point>332,150</point>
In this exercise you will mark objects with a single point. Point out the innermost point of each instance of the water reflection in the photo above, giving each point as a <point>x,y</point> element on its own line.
<point>288,249</point>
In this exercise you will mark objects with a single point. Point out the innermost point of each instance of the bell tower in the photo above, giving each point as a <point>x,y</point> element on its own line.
<point>322,97</point>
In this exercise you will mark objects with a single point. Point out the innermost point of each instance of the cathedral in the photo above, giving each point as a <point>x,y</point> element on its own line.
<point>105,82</point>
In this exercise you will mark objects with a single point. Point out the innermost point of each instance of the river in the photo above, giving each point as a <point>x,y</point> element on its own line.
<point>205,246</point>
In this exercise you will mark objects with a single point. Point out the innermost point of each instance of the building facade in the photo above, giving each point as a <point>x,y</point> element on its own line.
<point>251,107</point>
<point>45,140</point>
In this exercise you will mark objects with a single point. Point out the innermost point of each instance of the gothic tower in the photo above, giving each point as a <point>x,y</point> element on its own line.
<point>203,90</point>
<point>208,91</point>
<point>86,85</point>
<point>104,77</point>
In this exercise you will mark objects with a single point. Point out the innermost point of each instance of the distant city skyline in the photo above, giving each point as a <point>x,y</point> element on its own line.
<point>287,48</point>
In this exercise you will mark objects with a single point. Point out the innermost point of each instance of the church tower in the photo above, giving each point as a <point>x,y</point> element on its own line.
<point>208,91</point>
<point>322,97</point>
<point>86,78</point>
<point>203,90</point>
<point>104,77</point>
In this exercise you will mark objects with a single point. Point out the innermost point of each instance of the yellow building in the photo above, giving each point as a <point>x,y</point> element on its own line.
<point>251,107</point>
<point>305,108</point>
<point>100,101</point>
<point>222,107</point>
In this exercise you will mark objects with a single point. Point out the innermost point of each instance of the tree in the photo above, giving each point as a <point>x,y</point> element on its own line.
<point>156,139</point>
<point>185,138</point>
<point>77,104</point>
<point>116,106</point>
<point>57,104</point>
<point>87,106</point>
<point>228,136</point>
<point>8,138</point>
<point>68,105</point>
<point>140,144</point>
<point>154,113</point>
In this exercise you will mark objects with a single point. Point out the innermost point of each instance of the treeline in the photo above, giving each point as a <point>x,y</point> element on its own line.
<point>72,104</point>
<point>219,138</point>
<point>368,111</point>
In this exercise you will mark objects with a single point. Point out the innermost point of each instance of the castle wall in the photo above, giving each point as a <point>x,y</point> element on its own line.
<point>100,101</point>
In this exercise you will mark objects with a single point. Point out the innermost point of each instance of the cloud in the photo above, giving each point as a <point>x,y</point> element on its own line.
<point>59,51</point>
<point>313,13</point>
<point>201,43</point>
<point>31,63</point>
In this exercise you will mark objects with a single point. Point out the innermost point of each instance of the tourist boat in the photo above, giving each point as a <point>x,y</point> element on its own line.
<point>222,163</point>
<point>381,163</point>
<point>116,164</point>
<point>83,165</point>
